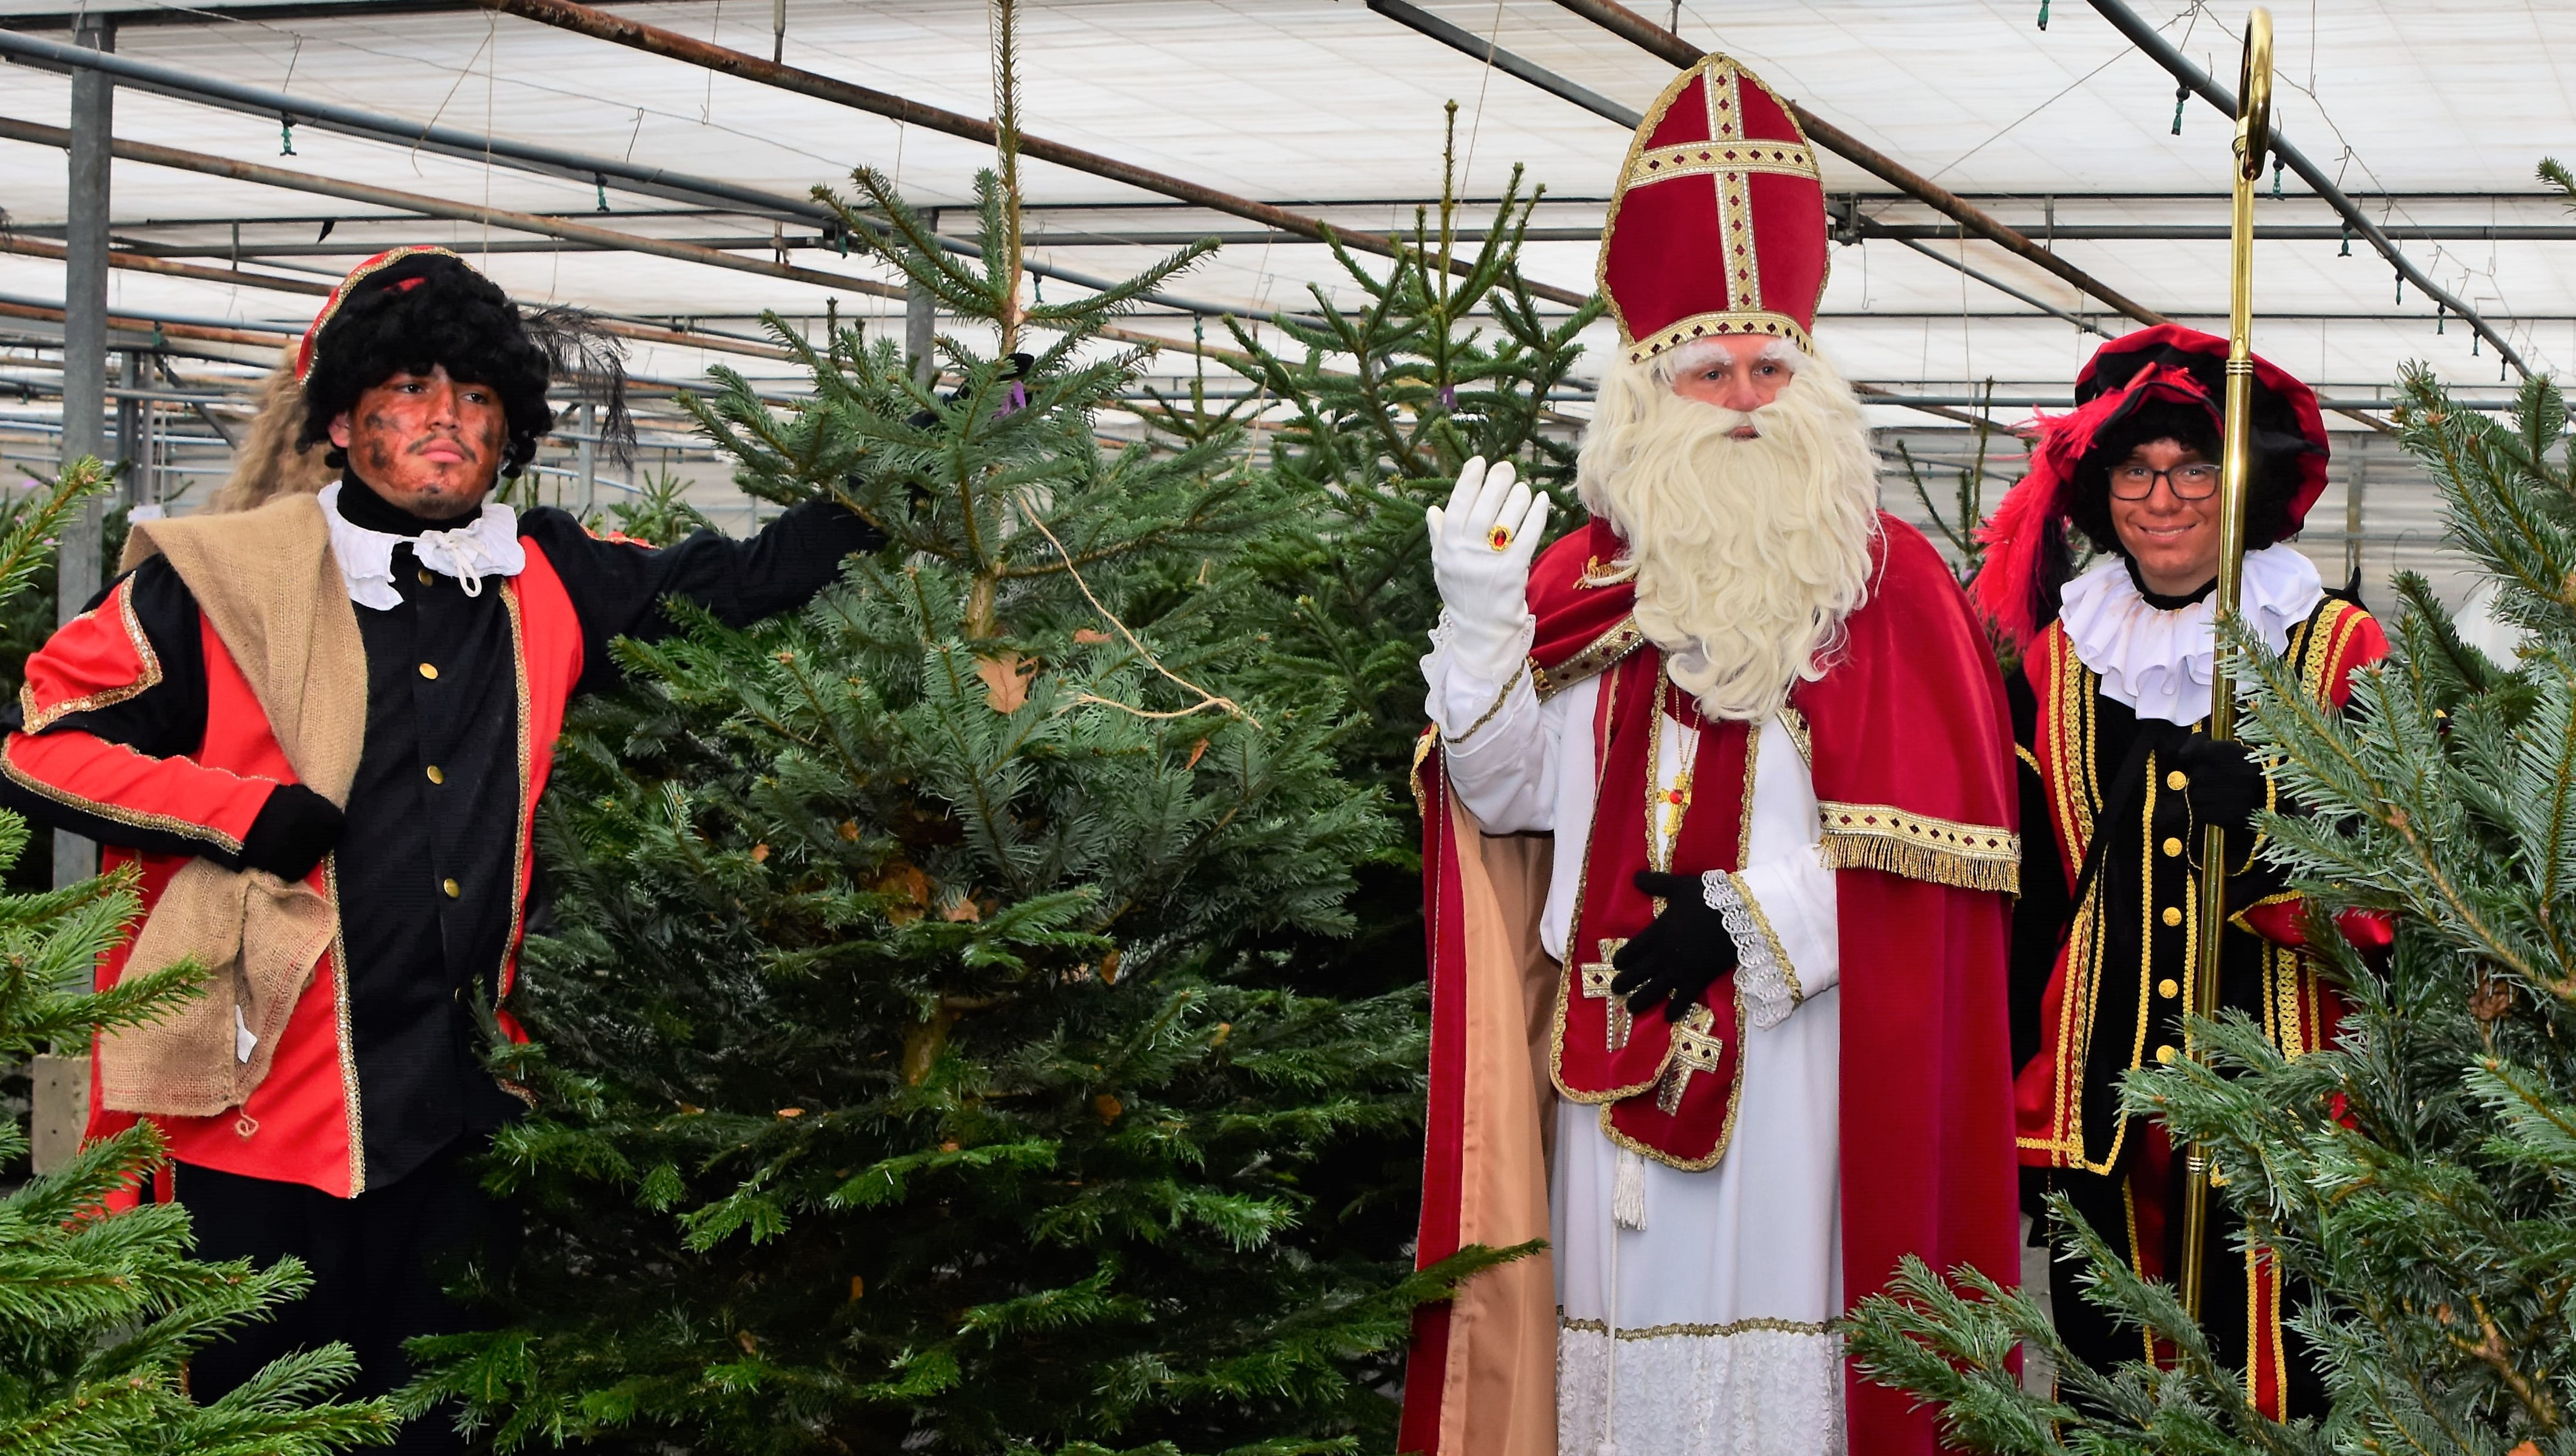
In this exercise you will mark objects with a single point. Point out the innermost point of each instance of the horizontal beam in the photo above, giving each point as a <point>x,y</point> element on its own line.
<point>145,324</point>
<point>1457,38</point>
<point>2063,402</point>
<point>2000,286</point>
<point>312,288</point>
<point>472,146</point>
<point>267,176</point>
<point>654,40</point>
<point>142,75</point>
<point>2148,39</point>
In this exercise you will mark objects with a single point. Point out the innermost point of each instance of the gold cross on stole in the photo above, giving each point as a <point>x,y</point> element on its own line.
<point>1597,976</point>
<point>1694,1051</point>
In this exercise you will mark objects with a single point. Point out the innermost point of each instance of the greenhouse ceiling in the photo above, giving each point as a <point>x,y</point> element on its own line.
<point>2430,117</point>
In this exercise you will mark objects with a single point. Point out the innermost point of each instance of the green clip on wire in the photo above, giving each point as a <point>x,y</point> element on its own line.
<point>286,136</point>
<point>2043,14</point>
<point>600,182</point>
<point>2181,94</point>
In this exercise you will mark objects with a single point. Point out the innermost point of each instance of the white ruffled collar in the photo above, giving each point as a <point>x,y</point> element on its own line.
<point>2161,662</point>
<point>486,546</point>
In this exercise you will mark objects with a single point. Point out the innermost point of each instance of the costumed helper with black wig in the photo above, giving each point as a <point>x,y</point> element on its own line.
<point>2119,778</point>
<point>318,731</point>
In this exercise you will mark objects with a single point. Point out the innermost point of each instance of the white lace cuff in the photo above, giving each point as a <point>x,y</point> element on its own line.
<point>1763,975</point>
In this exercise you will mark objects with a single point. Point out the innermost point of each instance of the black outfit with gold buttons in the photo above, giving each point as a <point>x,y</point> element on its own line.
<point>2124,981</point>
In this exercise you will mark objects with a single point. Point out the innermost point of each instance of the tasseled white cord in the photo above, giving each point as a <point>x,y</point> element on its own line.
<point>1628,1192</point>
<point>1627,1214</point>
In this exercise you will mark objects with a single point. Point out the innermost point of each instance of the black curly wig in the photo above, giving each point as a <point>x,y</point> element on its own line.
<point>430,310</point>
<point>2278,450</point>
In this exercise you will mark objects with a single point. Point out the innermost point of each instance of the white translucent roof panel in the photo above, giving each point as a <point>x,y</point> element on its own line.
<point>2437,109</point>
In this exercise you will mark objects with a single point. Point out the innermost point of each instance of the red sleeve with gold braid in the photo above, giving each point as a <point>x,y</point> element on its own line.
<point>97,660</point>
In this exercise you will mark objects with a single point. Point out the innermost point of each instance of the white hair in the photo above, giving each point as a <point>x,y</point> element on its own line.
<point>1749,553</point>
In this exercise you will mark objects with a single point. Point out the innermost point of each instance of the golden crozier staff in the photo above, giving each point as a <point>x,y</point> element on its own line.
<point>2253,141</point>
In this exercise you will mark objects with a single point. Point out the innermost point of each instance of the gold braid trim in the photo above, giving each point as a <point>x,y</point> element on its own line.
<point>1597,656</point>
<point>1919,847</point>
<point>1500,698</point>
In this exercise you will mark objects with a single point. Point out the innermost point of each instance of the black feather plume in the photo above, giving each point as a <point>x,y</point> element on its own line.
<point>593,362</point>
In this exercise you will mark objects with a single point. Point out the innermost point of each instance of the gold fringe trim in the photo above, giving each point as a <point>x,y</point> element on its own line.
<point>1918,847</point>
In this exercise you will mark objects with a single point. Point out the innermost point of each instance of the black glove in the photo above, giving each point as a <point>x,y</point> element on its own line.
<point>1673,961</point>
<point>2223,782</point>
<point>295,828</point>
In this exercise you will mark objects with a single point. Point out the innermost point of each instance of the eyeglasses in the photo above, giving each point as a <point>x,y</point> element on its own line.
<point>2196,481</point>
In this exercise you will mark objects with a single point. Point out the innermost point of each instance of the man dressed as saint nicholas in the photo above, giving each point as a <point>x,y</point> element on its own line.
<point>1719,844</point>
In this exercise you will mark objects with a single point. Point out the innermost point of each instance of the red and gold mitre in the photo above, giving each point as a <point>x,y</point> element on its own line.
<point>1718,224</point>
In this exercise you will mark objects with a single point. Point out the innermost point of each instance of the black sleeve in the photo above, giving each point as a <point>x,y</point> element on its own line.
<point>2042,914</point>
<point>617,587</point>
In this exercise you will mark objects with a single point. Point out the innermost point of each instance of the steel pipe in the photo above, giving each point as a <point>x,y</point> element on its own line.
<point>2146,38</point>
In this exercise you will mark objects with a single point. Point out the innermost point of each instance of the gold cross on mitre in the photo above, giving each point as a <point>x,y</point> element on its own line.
<point>1695,1051</point>
<point>1596,976</point>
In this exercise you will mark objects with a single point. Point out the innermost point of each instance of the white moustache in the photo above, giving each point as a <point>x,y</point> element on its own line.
<point>1723,422</point>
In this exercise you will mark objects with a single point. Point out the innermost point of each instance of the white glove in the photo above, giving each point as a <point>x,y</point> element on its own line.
<point>1484,589</point>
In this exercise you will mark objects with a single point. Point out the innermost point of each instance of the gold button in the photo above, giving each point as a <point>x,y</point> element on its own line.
<point>437,775</point>
<point>2173,846</point>
<point>2172,916</point>
<point>2164,1056</point>
<point>2175,780</point>
<point>450,887</point>
<point>429,670</point>
<point>2168,987</point>
<point>426,579</point>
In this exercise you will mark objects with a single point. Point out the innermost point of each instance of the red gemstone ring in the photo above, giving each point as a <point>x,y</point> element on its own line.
<point>1500,537</point>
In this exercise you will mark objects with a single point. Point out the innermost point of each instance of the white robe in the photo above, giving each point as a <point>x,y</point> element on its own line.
<point>1703,1333</point>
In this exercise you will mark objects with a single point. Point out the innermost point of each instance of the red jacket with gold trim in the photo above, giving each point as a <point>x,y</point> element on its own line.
<point>137,727</point>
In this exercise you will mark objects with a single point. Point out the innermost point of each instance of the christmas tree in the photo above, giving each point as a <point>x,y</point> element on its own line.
<point>98,1311</point>
<point>923,1063</point>
<point>2416,1175</point>
<point>1446,355</point>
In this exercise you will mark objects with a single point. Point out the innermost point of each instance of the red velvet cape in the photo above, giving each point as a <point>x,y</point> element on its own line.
<point>1913,767</point>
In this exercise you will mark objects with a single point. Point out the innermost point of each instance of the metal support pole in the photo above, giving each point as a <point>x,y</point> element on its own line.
<point>2352,497</point>
<point>589,453</point>
<point>132,448</point>
<point>84,360</point>
<point>921,322</point>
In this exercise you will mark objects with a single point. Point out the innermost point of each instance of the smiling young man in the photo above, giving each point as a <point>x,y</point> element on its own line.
<point>2119,778</point>
<point>318,732</point>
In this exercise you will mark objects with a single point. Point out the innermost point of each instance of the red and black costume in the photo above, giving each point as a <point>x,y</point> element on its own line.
<point>2109,710</point>
<point>146,727</point>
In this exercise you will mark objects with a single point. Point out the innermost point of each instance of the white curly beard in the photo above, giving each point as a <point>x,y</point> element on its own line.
<point>1750,553</point>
